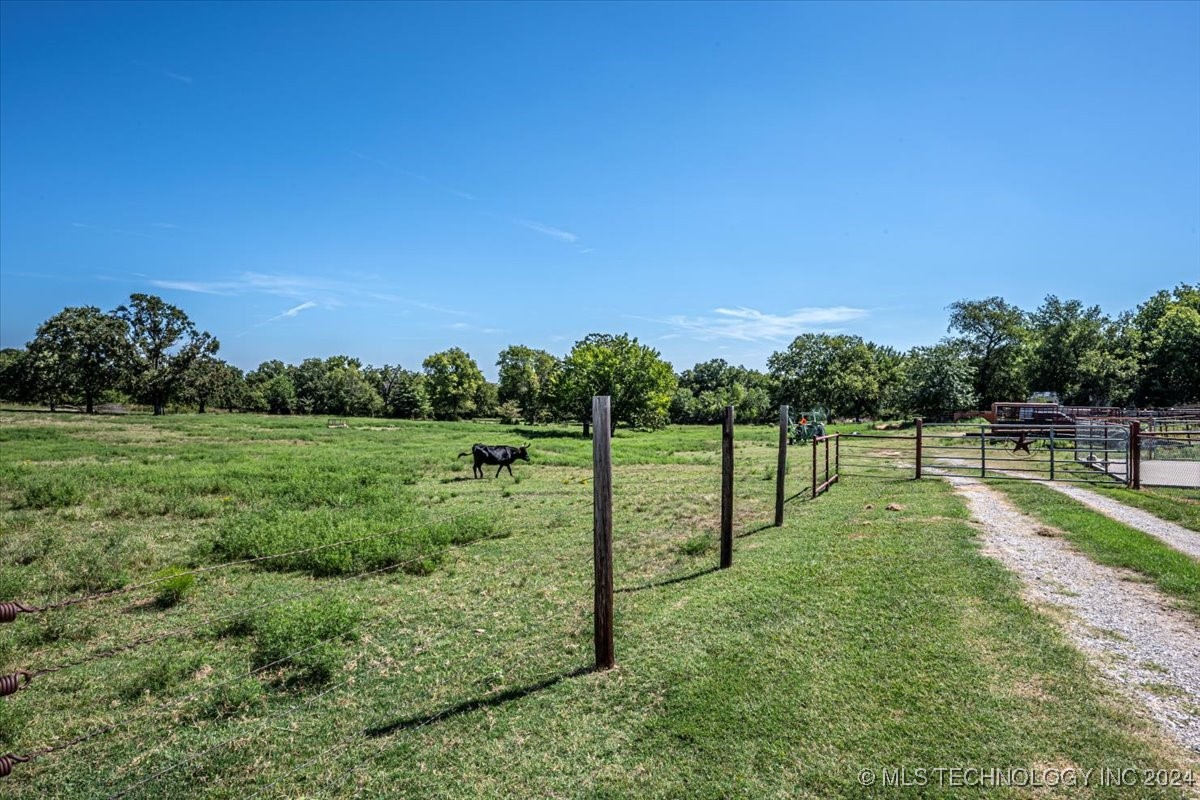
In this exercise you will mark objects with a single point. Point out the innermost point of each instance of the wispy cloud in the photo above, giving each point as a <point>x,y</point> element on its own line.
<point>415,175</point>
<point>166,73</point>
<point>547,230</point>
<point>330,292</point>
<point>752,325</point>
<point>102,229</point>
<point>291,312</point>
<point>195,286</point>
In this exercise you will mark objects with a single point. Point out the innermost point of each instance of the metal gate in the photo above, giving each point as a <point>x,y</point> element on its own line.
<point>1090,452</point>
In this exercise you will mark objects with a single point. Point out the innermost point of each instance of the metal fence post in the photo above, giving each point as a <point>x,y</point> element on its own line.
<point>602,530</point>
<point>1051,452</point>
<point>920,424</point>
<point>982,452</point>
<point>1135,455</point>
<point>814,467</point>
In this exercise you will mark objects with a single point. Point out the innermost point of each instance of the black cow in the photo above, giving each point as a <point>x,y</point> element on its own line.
<point>501,454</point>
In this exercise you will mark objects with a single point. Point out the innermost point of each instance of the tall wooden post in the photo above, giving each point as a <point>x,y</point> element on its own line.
<point>727,489</point>
<point>1135,455</point>
<point>602,530</point>
<point>781,466</point>
<point>919,423</point>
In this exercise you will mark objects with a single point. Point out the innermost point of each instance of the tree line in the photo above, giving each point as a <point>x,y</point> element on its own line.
<point>149,351</point>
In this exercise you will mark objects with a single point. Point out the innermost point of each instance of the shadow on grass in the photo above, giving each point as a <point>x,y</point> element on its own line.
<point>467,706</point>
<point>665,582</point>
<point>752,531</point>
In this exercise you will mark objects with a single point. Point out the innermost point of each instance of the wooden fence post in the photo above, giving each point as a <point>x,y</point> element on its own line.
<point>727,489</point>
<point>781,467</point>
<point>919,423</point>
<point>602,530</point>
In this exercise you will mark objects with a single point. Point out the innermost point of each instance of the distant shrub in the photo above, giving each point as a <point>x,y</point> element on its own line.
<point>306,636</point>
<point>177,584</point>
<point>509,413</point>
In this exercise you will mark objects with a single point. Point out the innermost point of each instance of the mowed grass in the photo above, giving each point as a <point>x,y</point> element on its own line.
<point>1109,542</point>
<point>852,638</point>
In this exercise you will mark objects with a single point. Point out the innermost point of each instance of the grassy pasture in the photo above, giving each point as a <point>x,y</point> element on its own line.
<point>854,637</point>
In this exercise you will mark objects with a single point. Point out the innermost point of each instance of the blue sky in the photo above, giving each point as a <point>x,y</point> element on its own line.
<point>390,180</point>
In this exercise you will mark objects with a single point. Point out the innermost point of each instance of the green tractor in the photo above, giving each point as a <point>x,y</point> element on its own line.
<point>809,424</point>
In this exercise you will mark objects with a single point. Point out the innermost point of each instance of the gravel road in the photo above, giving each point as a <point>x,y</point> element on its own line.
<point>1176,536</point>
<point>1128,629</point>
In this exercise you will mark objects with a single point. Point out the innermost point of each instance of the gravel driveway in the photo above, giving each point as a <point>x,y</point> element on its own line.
<point>1129,630</point>
<point>1176,536</point>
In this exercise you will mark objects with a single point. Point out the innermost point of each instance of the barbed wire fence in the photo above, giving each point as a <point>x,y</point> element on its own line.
<point>766,476</point>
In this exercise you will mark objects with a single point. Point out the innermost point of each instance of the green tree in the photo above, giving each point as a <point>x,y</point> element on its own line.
<point>937,381</point>
<point>16,383</point>
<point>162,346</point>
<point>487,400</point>
<point>1065,338</point>
<point>993,334</point>
<point>307,378</point>
<point>639,382</point>
<point>80,352</point>
<point>705,390</point>
<point>453,382</point>
<point>402,391</point>
<point>527,378</point>
<point>279,395</point>
<point>844,374</point>
<point>1165,339</point>
<point>345,390</point>
<point>211,380</point>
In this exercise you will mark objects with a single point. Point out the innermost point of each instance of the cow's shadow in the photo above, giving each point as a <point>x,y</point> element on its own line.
<point>467,706</point>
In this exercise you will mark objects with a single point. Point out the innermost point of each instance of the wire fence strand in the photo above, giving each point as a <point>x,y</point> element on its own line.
<point>210,620</point>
